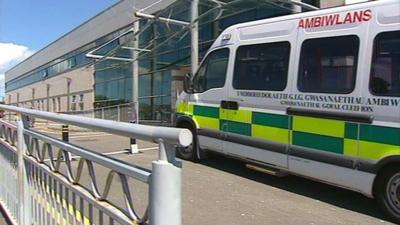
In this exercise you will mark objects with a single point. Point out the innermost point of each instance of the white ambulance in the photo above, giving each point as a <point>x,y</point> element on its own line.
<point>315,94</point>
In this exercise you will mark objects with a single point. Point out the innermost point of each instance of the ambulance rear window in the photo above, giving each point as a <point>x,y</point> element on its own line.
<point>385,69</point>
<point>328,65</point>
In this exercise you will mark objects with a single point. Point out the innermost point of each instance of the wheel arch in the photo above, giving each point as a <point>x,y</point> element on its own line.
<point>184,121</point>
<point>384,164</point>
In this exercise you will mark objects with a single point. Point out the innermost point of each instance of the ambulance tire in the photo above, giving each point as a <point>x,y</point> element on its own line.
<point>388,192</point>
<point>189,152</point>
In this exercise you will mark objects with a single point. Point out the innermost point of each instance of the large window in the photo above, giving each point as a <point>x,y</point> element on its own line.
<point>155,96</point>
<point>262,67</point>
<point>328,65</point>
<point>212,72</point>
<point>385,70</point>
<point>113,83</point>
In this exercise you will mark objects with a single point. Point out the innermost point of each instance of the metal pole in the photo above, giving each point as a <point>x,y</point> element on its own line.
<point>48,97</point>
<point>135,73</point>
<point>296,8</point>
<point>171,135</point>
<point>163,19</point>
<point>194,32</point>
<point>68,93</point>
<point>165,188</point>
<point>22,178</point>
<point>135,84</point>
<point>17,98</point>
<point>118,113</point>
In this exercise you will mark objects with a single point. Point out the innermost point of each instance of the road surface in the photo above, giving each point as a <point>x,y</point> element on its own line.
<point>222,191</point>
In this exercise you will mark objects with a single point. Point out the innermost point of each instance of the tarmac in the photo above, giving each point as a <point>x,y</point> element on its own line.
<point>222,191</point>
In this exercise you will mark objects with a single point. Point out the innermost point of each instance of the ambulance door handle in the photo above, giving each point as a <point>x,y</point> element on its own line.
<point>229,105</point>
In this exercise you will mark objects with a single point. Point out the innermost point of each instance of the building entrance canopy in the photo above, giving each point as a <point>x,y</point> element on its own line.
<point>159,48</point>
<point>170,27</point>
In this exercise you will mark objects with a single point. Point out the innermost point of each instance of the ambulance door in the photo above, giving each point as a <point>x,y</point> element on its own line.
<point>327,96</point>
<point>257,126</point>
<point>382,87</point>
<point>209,90</point>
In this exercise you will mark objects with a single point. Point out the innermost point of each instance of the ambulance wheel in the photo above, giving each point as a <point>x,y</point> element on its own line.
<point>388,192</point>
<point>189,152</point>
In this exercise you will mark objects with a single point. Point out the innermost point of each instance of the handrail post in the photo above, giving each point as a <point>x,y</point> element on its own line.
<point>118,113</point>
<point>21,172</point>
<point>165,188</point>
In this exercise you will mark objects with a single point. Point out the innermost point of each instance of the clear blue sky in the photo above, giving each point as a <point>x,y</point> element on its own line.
<point>36,23</point>
<point>27,26</point>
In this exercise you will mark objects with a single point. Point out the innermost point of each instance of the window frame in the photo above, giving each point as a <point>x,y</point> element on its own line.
<point>373,58</point>
<point>355,69</point>
<point>264,43</point>
<point>205,61</point>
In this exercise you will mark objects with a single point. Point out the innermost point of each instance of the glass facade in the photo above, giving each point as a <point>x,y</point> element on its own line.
<point>169,46</point>
<point>72,60</point>
<point>113,83</point>
<point>169,50</point>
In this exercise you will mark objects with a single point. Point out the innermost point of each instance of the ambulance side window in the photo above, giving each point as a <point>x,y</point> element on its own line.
<point>262,66</point>
<point>385,69</point>
<point>328,65</point>
<point>212,72</point>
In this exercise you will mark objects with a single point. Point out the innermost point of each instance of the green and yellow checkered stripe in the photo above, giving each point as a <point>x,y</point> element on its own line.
<point>335,136</point>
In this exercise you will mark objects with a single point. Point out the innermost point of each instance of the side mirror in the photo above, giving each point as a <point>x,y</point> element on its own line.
<point>187,83</point>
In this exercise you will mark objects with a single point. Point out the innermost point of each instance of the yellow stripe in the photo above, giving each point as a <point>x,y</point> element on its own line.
<point>350,147</point>
<point>376,151</point>
<point>334,128</point>
<point>270,133</point>
<point>223,114</point>
<point>185,107</point>
<point>206,122</point>
<point>242,116</point>
<point>54,211</point>
<point>49,208</point>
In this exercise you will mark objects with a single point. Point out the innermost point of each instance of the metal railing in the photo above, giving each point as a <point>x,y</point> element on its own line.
<point>120,112</point>
<point>123,113</point>
<point>40,184</point>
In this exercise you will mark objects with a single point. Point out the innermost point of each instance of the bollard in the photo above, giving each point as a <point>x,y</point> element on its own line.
<point>65,137</point>
<point>134,146</point>
<point>65,133</point>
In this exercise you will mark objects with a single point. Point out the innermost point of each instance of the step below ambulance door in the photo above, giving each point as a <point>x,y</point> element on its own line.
<point>209,90</point>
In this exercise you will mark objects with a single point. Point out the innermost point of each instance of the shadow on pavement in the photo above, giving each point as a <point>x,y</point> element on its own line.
<point>319,191</point>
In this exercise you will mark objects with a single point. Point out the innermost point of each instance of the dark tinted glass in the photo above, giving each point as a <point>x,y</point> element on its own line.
<point>385,69</point>
<point>262,66</point>
<point>212,72</point>
<point>328,65</point>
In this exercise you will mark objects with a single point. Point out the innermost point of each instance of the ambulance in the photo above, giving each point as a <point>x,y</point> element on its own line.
<point>314,94</point>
